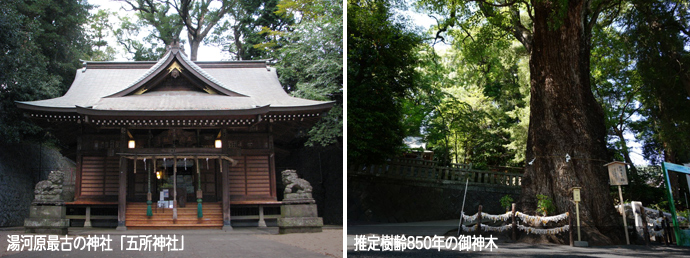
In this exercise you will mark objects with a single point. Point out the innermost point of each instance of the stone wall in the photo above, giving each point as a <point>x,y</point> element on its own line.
<point>387,200</point>
<point>21,167</point>
<point>323,168</point>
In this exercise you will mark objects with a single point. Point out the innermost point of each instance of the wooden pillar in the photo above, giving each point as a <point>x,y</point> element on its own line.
<point>87,220</point>
<point>479,220</point>
<point>272,167</point>
<point>122,189</point>
<point>512,217</point>
<point>224,170</point>
<point>199,193</point>
<point>77,180</point>
<point>149,212</point>
<point>174,188</point>
<point>570,224</point>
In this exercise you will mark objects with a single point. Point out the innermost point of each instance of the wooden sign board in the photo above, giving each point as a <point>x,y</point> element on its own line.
<point>576,194</point>
<point>617,175</point>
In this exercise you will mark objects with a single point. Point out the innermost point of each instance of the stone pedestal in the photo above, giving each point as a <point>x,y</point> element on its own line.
<point>47,214</point>
<point>299,215</point>
<point>47,218</point>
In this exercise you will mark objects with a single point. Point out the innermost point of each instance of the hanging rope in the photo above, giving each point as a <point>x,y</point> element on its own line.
<point>543,231</point>
<point>494,218</point>
<point>497,229</point>
<point>469,229</point>
<point>534,220</point>
<point>524,217</point>
<point>469,218</point>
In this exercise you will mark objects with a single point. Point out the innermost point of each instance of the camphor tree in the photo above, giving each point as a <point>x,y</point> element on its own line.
<point>166,28</point>
<point>565,118</point>
<point>199,17</point>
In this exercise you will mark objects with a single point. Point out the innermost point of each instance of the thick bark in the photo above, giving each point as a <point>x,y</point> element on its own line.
<point>194,43</point>
<point>566,119</point>
<point>238,42</point>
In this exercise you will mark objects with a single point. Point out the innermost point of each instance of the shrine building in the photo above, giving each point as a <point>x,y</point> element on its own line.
<point>175,143</point>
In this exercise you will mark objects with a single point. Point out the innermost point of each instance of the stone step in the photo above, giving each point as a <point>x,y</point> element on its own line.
<point>194,212</point>
<point>169,215</point>
<point>164,227</point>
<point>170,221</point>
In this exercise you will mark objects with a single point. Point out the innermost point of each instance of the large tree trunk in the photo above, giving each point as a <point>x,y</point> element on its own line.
<point>566,119</point>
<point>194,42</point>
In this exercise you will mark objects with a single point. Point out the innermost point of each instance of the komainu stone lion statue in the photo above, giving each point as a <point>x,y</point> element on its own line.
<point>291,182</point>
<point>50,190</point>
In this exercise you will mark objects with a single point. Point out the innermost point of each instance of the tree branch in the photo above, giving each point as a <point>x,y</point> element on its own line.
<point>602,6</point>
<point>496,5</point>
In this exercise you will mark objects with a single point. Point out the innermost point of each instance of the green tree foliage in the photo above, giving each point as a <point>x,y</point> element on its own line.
<point>199,18</point>
<point>41,43</point>
<point>262,33</point>
<point>617,85</point>
<point>169,17</point>
<point>157,16</point>
<point>60,36</point>
<point>659,34</point>
<point>482,117</point>
<point>310,64</point>
<point>98,32</point>
<point>138,50</point>
<point>545,205</point>
<point>382,56</point>
<point>506,201</point>
<point>253,31</point>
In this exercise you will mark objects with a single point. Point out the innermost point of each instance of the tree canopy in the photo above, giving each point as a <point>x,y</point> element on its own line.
<point>41,42</point>
<point>310,62</point>
<point>382,57</point>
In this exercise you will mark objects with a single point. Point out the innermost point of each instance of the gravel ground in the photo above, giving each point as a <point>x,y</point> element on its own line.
<point>328,242</point>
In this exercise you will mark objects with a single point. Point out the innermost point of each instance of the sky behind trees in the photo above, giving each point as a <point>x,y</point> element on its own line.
<point>206,52</point>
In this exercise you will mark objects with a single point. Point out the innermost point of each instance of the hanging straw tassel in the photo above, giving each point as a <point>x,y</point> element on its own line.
<point>497,229</point>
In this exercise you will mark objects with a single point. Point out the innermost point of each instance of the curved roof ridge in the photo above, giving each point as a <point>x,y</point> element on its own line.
<point>202,72</point>
<point>171,55</point>
<point>151,70</point>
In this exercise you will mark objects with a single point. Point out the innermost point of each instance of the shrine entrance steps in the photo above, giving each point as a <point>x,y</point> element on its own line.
<point>163,218</point>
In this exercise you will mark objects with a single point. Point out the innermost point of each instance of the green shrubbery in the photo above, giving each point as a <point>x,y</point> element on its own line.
<point>545,205</point>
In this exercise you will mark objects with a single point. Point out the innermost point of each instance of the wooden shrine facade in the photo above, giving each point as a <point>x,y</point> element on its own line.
<point>202,132</point>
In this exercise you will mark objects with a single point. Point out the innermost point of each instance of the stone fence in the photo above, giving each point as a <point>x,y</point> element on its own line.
<point>429,171</point>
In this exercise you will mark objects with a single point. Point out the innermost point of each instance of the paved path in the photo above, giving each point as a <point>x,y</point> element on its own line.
<point>527,250</point>
<point>505,249</point>
<point>241,242</point>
